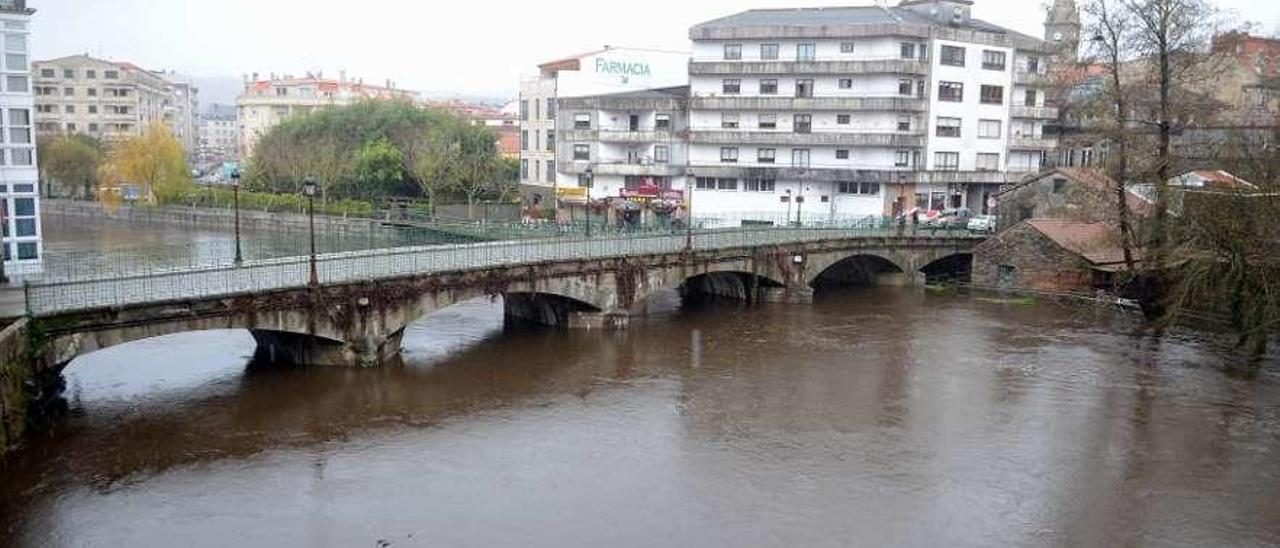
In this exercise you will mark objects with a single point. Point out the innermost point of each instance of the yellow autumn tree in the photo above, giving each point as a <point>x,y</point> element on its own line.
<point>153,161</point>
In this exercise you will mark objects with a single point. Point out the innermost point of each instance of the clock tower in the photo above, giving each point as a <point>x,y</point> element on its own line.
<point>1062,31</point>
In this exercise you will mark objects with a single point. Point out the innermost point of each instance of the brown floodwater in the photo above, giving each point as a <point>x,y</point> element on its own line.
<point>874,417</point>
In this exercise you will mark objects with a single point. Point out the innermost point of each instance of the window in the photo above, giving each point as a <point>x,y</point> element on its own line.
<point>842,154</point>
<point>946,161</point>
<point>846,83</point>
<point>69,74</point>
<point>864,189</point>
<point>902,158</point>
<point>759,185</point>
<point>71,109</point>
<point>28,251</point>
<point>69,92</point>
<point>551,140</point>
<point>1031,98</point>
<point>769,52</point>
<point>952,56</point>
<point>16,43</point>
<point>15,61</point>
<point>948,127</point>
<point>581,120</point>
<point>904,123</point>
<point>805,52</point>
<point>989,129</point>
<point>988,162</point>
<point>904,87</point>
<point>524,139</point>
<point>992,95</point>
<point>661,154</point>
<point>581,152</point>
<point>732,86</point>
<point>804,88</point>
<point>537,110</point>
<point>93,92</point>
<point>729,155</point>
<point>1007,274</point>
<point>766,155</point>
<point>662,122</point>
<point>1059,185</point>
<point>90,74</point>
<point>93,128</point>
<point>951,91</point>
<point>524,109</point>
<point>768,121</point>
<point>846,47</point>
<point>1033,65</point>
<point>800,157</point>
<point>733,52</point>
<point>768,86</point>
<point>729,120</point>
<point>727,184</point>
<point>47,73</point>
<point>21,156</point>
<point>71,128</point>
<point>802,123</point>
<point>16,84</point>
<point>551,171</point>
<point>843,119</point>
<point>908,50</point>
<point>551,109</point>
<point>993,60</point>
<point>705,183</point>
<point>537,168</point>
<point>111,74</point>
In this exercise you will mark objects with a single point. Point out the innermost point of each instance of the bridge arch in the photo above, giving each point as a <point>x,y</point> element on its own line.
<point>862,266</point>
<point>954,267</point>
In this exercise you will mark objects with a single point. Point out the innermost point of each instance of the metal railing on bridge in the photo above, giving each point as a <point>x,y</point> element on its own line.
<point>148,275</point>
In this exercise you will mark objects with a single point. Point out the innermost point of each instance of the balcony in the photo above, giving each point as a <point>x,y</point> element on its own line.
<point>733,68</point>
<point>891,140</point>
<point>903,176</point>
<point>624,167</point>
<point>1034,79</point>
<point>884,104</point>
<point>1032,143</point>
<point>1034,113</point>
<point>617,136</point>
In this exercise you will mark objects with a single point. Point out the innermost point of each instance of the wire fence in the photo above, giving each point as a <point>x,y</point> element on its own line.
<point>216,274</point>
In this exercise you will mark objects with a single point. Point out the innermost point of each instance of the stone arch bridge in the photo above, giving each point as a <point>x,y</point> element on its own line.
<point>358,312</point>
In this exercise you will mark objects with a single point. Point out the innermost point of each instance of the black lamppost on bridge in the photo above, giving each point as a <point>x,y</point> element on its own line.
<point>235,192</point>
<point>309,188</point>
<point>690,183</point>
<point>591,179</point>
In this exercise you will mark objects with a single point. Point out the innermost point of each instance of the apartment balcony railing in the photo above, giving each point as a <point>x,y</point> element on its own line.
<point>1032,143</point>
<point>882,176</point>
<point>913,139</point>
<point>887,104</point>
<point>1031,79</point>
<point>881,66</point>
<point>617,136</point>
<point>625,167</point>
<point>1034,113</point>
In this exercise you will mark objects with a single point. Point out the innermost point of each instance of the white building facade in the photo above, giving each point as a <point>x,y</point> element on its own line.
<point>607,71</point>
<point>19,192</point>
<point>816,114</point>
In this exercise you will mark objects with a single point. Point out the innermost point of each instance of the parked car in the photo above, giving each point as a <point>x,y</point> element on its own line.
<point>985,224</point>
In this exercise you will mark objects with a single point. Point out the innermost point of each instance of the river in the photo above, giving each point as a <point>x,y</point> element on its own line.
<point>873,417</point>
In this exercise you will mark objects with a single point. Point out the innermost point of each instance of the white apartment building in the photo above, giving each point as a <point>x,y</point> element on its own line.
<point>605,71</point>
<point>19,192</point>
<point>182,112</point>
<point>219,134</point>
<point>100,98</point>
<point>841,112</point>
<point>264,104</point>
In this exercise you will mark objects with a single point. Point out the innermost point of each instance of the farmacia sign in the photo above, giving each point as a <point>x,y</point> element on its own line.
<point>626,70</point>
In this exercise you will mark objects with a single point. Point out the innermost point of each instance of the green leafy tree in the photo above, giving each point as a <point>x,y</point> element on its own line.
<point>378,168</point>
<point>69,164</point>
<point>154,161</point>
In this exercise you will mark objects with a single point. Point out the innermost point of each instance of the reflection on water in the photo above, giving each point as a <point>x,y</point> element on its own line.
<point>874,417</point>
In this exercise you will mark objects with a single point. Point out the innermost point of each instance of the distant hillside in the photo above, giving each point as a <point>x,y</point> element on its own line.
<point>220,90</point>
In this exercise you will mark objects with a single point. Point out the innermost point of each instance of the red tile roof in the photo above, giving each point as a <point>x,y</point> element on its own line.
<point>1096,242</point>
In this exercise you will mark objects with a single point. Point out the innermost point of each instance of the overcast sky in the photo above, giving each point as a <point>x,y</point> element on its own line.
<point>469,47</point>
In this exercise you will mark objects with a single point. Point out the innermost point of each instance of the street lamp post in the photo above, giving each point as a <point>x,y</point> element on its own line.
<point>309,188</point>
<point>690,183</point>
<point>235,192</point>
<point>591,180</point>
<point>4,233</point>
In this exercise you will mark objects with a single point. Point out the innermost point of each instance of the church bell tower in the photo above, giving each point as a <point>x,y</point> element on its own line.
<point>1062,31</point>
